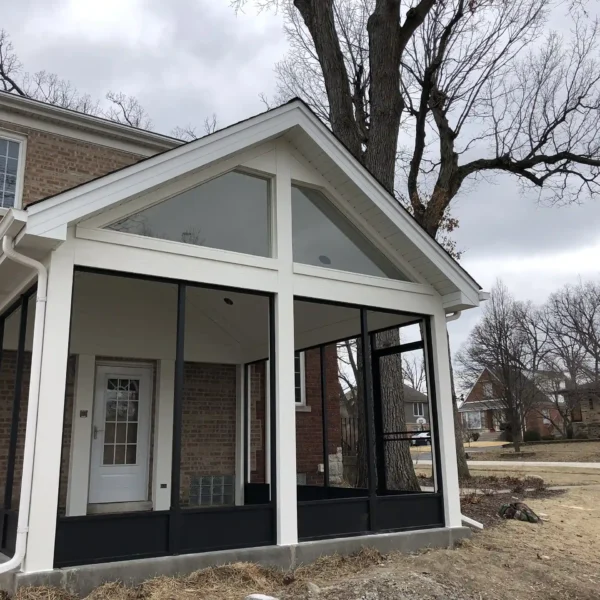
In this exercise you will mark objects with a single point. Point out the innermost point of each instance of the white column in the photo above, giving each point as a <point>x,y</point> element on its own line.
<point>445,425</point>
<point>163,436</point>
<point>239,434</point>
<point>81,437</point>
<point>48,439</point>
<point>285,417</point>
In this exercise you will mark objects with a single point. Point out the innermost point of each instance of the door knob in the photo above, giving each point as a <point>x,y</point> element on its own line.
<point>96,431</point>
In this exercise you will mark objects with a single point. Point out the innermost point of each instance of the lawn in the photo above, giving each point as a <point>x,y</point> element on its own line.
<point>556,452</point>
<point>557,560</point>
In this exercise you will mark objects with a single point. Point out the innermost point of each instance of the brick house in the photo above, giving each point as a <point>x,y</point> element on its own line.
<point>586,412</point>
<point>172,312</point>
<point>483,411</point>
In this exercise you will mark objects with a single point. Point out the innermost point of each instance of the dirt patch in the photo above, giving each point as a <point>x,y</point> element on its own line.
<point>579,452</point>
<point>556,560</point>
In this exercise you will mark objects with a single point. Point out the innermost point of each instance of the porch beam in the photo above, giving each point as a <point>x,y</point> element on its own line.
<point>49,434</point>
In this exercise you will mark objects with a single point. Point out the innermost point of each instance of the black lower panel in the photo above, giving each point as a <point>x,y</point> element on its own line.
<point>332,518</point>
<point>316,492</point>
<point>207,529</point>
<point>104,538</point>
<point>8,531</point>
<point>257,493</point>
<point>409,511</point>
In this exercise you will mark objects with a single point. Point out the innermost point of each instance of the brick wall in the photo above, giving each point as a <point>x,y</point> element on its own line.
<point>54,163</point>
<point>209,417</point>
<point>477,393</point>
<point>258,394</point>
<point>309,425</point>
<point>590,417</point>
<point>7,386</point>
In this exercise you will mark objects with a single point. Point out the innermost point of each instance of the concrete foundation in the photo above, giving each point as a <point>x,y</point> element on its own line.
<point>82,580</point>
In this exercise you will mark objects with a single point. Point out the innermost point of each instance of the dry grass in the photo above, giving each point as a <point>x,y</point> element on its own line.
<point>552,476</point>
<point>567,452</point>
<point>558,560</point>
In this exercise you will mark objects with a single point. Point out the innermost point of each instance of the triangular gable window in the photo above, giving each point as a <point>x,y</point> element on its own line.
<point>230,212</point>
<point>323,237</point>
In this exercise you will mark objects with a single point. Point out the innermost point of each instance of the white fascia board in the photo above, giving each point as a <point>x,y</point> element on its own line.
<point>457,301</point>
<point>46,114</point>
<point>87,199</point>
<point>12,222</point>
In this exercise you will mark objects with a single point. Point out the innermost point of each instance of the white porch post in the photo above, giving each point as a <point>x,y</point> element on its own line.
<point>48,439</point>
<point>284,419</point>
<point>163,435</point>
<point>443,388</point>
<point>81,436</point>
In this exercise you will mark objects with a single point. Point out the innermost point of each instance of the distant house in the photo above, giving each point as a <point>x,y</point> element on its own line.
<point>585,415</point>
<point>483,410</point>
<point>416,409</point>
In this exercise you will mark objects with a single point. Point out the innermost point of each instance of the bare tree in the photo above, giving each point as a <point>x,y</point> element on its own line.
<point>432,94</point>
<point>414,374</point>
<point>189,132</point>
<point>50,88</point>
<point>502,344</point>
<point>127,110</point>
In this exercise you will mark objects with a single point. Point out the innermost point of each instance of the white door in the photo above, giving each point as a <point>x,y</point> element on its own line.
<point>121,435</point>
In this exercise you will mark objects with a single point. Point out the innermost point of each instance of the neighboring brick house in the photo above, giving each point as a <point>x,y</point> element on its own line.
<point>483,410</point>
<point>586,412</point>
<point>50,150</point>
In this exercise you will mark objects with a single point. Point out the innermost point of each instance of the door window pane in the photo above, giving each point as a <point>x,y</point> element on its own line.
<point>120,422</point>
<point>323,237</point>
<point>230,212</point>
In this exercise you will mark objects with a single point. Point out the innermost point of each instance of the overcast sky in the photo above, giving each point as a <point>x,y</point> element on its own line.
<point>187,59</point>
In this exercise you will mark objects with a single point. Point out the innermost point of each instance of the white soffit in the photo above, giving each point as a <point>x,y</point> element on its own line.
<point>316,145</point>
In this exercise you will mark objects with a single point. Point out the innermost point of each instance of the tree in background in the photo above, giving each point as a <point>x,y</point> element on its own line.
<point>542,357</point>
<point>431,95</point>
<point>502,344</point>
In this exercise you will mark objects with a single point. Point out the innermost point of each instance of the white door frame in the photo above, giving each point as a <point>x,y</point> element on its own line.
<point>137,370</point>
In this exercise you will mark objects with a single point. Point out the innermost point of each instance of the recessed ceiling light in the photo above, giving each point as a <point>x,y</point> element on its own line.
<point>325,260</point>
<point>228,301</point>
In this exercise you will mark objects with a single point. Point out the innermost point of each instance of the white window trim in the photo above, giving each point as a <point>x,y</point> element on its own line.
<point>301,406</point>
<point>22,141</point>
<point>417,413</point>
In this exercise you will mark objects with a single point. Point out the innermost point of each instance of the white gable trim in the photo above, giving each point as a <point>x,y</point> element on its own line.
<point>86,200</point>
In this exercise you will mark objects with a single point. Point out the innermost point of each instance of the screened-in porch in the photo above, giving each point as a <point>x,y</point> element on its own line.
<point>169,427</point>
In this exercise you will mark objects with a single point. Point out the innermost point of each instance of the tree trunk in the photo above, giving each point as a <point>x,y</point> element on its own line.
<point>399,468</point>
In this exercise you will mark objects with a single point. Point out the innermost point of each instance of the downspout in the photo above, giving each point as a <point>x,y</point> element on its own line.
<point>34,397</point>
<point>454,317</point>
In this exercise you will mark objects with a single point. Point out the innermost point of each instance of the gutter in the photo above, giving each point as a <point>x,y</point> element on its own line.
<point>34,396</point>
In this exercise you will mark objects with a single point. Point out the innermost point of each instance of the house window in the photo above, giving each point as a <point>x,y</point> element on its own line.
<point>231,212</point>
<point>473,419</point>
<point>300,378</point>
<point>576,416</point>
<point>323,237</point>
<point>591,401</point>
<point>488,390</point>
<point>419,409</point>
<point>9,172</point>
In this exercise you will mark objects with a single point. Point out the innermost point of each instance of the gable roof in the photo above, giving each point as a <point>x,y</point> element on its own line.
<point>310,138</point>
